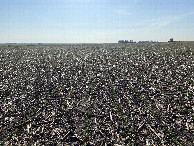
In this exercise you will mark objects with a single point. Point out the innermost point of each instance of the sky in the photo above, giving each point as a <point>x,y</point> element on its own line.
<point>95,21</point>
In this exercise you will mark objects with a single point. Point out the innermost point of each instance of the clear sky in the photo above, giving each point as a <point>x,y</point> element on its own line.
<point>95,21</point>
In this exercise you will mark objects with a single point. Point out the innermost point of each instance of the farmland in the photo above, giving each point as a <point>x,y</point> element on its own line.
<point>97,94</point>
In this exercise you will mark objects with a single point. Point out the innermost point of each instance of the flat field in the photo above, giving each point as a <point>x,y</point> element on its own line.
<point>97,94</point>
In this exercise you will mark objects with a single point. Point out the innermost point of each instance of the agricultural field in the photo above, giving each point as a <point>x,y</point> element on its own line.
<point>97,94</point>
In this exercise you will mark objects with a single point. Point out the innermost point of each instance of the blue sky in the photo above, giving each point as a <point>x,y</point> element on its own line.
<point>95,21</point>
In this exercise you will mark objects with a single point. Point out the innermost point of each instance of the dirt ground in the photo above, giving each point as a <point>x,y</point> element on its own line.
<point>97,94</point>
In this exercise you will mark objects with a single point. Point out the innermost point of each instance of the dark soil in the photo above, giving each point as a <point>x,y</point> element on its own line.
<point>101,94</point>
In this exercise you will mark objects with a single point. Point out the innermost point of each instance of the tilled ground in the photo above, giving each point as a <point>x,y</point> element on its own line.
<point>101,94</point>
